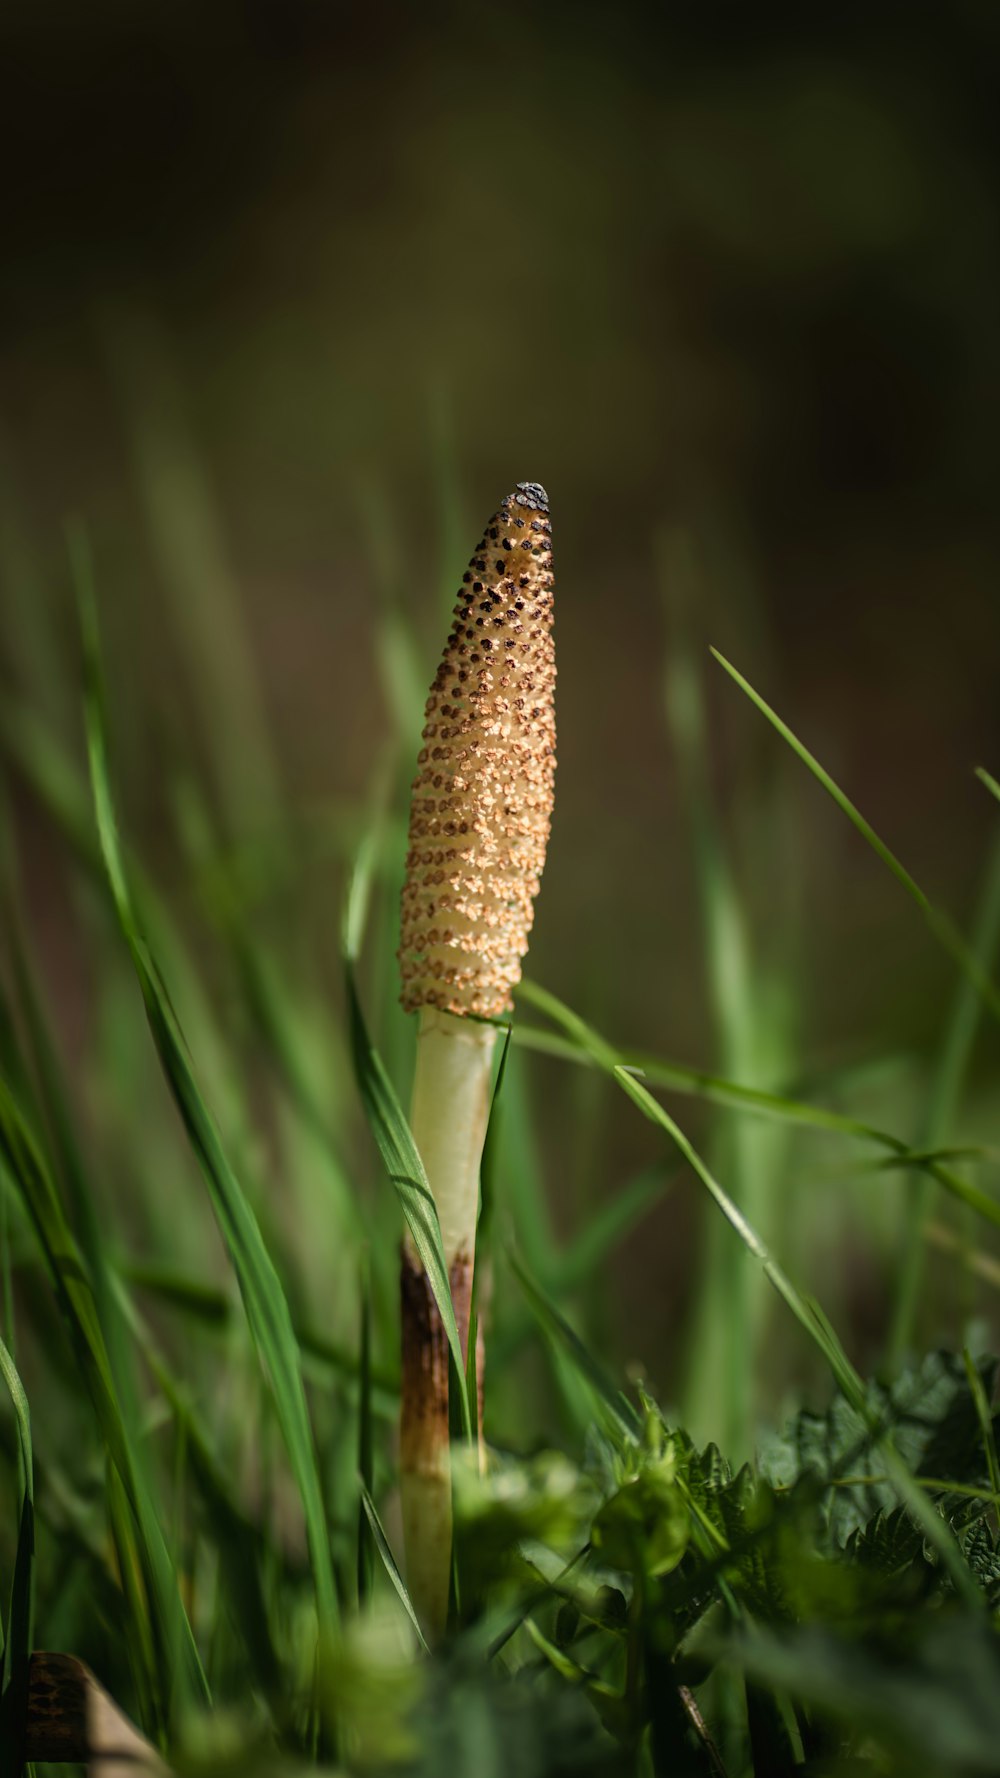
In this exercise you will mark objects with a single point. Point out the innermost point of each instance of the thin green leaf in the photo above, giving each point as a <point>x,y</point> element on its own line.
<point>18,1639</point>
<point>366,1455</point>
<point>389,1561</point>
<point>393,1136</point>
<point>811,1317</point>
<point>942,926</point>
<point>263,1298</point>
<point>208,1304</point>
<point>985,1418</point>
<point>238,1542</point>
<point>586,1047</point>
<point>989,781</point>
<point>941,1104</point>
<point>489,1162</point>
<point>27,1168</point>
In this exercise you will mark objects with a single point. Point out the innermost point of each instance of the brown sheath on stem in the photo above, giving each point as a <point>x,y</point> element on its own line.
<point>479,825</point>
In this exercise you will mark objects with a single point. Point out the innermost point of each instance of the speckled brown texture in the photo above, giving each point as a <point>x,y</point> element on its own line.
<point>424,1396</point>
<point>482,798</point>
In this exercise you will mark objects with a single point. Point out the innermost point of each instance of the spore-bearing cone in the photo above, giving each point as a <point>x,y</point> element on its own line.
<point>479,825</point>
<point>482,798</point>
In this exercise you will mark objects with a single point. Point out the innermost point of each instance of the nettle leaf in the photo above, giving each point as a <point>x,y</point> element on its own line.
<point>983,1554</point>
<point>932,1414</point>
<point>739,1528</point>
<point>889,1544</point>
<point>942,1424</point>
<point>708,1472</point>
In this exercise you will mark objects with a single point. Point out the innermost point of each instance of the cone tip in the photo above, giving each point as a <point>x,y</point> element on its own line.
<point>531,494</point>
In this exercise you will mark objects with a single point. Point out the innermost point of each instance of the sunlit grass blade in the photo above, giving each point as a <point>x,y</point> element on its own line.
<point>980,1265</point>
<point>31,618</point>
<point>811,1317</point>
<point>27,1168</point>
<point>489,1165</point>
<point>213,1308</point>
<point>51,773</point>
<point>942,1102</point>
<point>237,1541</point>
<point>269,1009</point>
<point>730,1304</point>
<point>366,1450</point>
<point>404,679</point>
<point>588,1051</point>
<point>942,926</point>
<point>69,1160</point>
<point>201,591</point>
<point>389,1563</point>
<point>586,1047</point>
<point>263,1298</point>
<point>150,1663</point>
<point>393,1137</point>
<point>984,1414</point>
<point>986,778</point>
<point>64,793</point>
<point>278,1016</point>
<point>136,1482</point>
<point>18,1633</point>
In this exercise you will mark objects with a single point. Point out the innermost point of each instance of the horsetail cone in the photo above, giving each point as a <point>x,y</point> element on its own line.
<point>479,824</point>
<point>482,798</point>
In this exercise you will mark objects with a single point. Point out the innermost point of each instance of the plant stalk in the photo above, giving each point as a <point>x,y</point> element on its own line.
<point>449,1114</point>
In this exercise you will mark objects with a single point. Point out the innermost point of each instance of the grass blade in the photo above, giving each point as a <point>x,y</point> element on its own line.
<point>393,1136</point>
<point>263,1298</point>
<point>489,1165</point>
<point>27,1168</point>
<point>366,1454</point>
<point>731,1304</point>
<point>986,778</point>
<point>810,1316</point>
<point>586,1047</point>
<point>953,1061</point>
<point>382,1545</point>
<point>18,1635</point>
<point>942,926</point>
<point>985,1417</point>
<point>212,1307</point>
<point>806,1312</point>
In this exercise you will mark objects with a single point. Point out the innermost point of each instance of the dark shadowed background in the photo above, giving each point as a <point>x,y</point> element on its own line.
<point>292,294</point>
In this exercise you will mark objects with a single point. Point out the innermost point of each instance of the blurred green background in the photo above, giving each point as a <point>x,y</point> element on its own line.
<point>292,294</point>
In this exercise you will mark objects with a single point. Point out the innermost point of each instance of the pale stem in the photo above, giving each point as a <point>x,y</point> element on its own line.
<point>449,1113</point>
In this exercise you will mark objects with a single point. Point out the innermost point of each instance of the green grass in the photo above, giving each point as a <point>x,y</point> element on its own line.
<point>201,1213</point>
